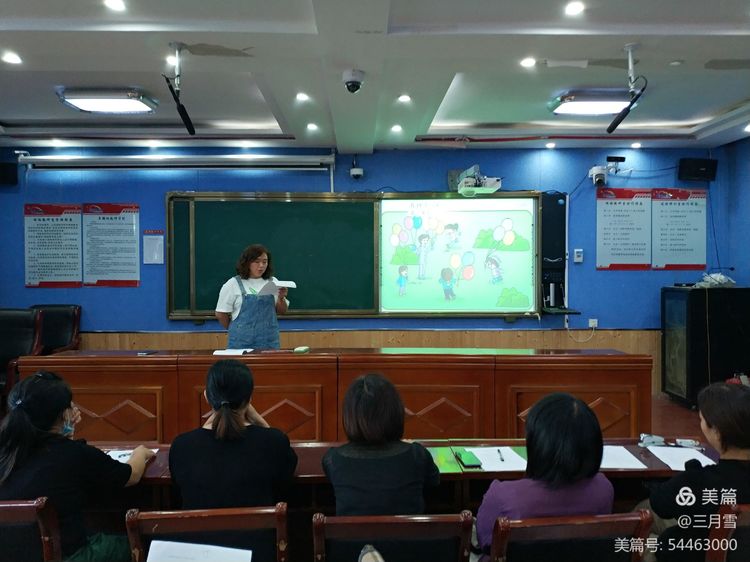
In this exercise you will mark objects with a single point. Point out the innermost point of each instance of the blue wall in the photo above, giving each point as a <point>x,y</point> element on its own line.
<point>618,299</point>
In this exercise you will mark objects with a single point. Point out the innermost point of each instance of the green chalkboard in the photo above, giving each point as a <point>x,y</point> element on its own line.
<point>324,243</point>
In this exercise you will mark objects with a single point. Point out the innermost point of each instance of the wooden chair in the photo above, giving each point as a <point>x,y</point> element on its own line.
<point>397,537</point>
<point>719,550</point>
<point>21,523</point>
<point>166,524</point>
<point>578,537</point>
<point>61,329</point>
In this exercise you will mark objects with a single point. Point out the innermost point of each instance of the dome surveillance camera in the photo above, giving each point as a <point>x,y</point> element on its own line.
<point>598,175</point>
<point>356,173</point>
<point>353,79</point>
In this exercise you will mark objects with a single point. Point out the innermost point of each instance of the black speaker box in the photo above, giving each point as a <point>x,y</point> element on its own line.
<point>554,206</point>
<point>697,169</point>
<point>8,173</point>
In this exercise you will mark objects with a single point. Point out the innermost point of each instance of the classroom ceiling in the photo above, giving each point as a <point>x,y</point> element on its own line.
<point>244,62</point>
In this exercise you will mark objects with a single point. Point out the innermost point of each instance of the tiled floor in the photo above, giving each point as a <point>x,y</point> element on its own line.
<point>670,418</point>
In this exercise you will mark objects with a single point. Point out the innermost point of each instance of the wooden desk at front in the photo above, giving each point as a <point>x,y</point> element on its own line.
<point>448,393</point>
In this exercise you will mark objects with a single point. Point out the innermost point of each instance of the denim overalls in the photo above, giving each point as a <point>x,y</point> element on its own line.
<point>256,326</point>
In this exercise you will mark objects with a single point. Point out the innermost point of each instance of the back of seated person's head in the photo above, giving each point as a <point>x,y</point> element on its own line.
<point>36,408</point>
<point>563,441</point>
<point>373,412</point>
<point>229,386</point>
<point>725,412</point>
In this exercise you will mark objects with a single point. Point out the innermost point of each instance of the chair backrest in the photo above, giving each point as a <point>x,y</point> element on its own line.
<point>734,526</point>
<point>20,334</point>
<point>397,537</point>
<point>29,531</point>
<point>60,331</point>
<point>206,526</point>
<point>578,537</point>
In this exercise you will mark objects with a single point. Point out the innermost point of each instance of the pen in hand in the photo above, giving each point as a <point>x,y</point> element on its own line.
<point>499,452</point>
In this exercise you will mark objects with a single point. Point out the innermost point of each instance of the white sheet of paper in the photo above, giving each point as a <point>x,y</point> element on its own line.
<point>123,455</point>
<point>675,457</point>
<point>233,351</point>
<point>616,456</point>
<point>491,462</point>
<point>168,551</point>
<point>272,287</point>
<point>153,249</point>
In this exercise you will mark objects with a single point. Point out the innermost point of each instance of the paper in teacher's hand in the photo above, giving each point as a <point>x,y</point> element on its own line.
<point>272,287</point>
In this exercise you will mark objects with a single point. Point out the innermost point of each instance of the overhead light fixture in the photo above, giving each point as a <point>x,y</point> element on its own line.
<point>107,101</point>
<point>574,8</point>
<point>404,98</point>
<point>302,96</point>
<point>396,129</point>
<point>550,145</point>
<point>11,58</point>
<point>747,128</point>
<point>312,127</point>
<point>592,101</point>
<point>635,145</point>
<point>528,62</point>
<point>115,5</point>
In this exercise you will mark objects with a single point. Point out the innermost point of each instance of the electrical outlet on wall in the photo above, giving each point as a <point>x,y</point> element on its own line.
<point>593,323</point>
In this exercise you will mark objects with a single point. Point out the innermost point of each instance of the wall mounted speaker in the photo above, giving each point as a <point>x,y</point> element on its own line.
<point>697,169</point>
<point>8,173</point>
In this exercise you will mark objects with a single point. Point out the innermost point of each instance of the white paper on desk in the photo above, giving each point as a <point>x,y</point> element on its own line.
<point>233,351</point>
<point>491,462</point>
<point>676,457</point>
<point>168,551</point>
<point>123,455</point>
<point>616,456</point>
<point>272,287</point>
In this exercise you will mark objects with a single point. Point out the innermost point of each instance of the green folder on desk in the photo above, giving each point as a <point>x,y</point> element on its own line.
<point>445,460</point>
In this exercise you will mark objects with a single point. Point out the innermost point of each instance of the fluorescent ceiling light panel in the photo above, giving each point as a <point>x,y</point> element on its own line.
<point>590,102</point>
<point>107,101</point>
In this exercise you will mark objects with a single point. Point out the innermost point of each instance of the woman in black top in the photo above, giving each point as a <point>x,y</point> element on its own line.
<point>39,458</point>
<point>376,473</point>
<point>724,411</point>
<point>235,459</point>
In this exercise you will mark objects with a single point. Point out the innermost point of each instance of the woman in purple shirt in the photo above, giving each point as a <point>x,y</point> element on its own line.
<point>564,449</point>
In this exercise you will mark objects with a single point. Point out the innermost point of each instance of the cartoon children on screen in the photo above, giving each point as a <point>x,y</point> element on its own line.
<point>447,282</point>
<point>492,264</point>
<point>403,279</point>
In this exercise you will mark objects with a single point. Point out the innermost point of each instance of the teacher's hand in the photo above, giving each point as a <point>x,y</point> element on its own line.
<point>283,292</point>
<point>253,417</point>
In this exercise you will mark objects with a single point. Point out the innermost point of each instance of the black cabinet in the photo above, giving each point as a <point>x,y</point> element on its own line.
<point>705,338</point>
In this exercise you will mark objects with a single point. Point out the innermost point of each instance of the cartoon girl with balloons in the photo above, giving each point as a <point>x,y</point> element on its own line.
<point>492,263</point>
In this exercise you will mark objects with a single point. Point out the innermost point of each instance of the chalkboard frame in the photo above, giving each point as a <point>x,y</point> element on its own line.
<point>191,312</point>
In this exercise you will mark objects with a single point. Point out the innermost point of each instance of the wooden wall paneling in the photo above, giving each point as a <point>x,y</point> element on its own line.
<point>616,386</point>
<point>444,395</point>
<point>122,397</point>
<point>294,393</point>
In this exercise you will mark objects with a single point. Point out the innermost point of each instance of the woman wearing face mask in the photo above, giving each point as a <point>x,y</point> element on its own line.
<point>39,458</point>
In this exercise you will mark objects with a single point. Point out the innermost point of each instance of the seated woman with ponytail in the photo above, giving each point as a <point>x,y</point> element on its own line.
<point>38,457</point>
<point>235,459</point>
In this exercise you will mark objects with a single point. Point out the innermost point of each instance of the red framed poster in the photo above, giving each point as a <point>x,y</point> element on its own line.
<point>623,228</point>
<point>111,252</point>
<point>52,245</point>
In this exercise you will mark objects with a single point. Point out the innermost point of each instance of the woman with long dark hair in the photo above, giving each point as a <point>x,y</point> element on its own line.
<point>39,458</point>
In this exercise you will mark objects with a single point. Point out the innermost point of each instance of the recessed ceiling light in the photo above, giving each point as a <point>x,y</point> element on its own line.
<point>11,58</point>
<point>302,96</point>
<point>550,145</point>
<point>595,101</point>
<point>574,8</point>
<point>676,62</point>
<point>747,129</point>
<point>107,101</point>
<point>528,62</point>
<point>404,98</point>
<point>171,60</point>
<point>115,5</point>
<point>312,127</point>
<point>58,142</point>
<point>635,145</point>
<point>396,129</point>
<point>153,144</point>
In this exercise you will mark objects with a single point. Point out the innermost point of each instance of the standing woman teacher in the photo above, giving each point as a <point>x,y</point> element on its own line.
<point>251,318</point>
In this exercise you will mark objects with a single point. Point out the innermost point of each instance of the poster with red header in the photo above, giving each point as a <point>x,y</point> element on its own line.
<point>111,252</point>
<point>52,245</point>
<point>679,228</point>
<point>623,228</point>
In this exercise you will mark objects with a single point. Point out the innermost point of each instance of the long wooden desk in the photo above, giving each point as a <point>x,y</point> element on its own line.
<point>448,393</point>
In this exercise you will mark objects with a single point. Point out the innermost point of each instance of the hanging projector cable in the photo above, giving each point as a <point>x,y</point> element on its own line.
<point>175,90</point>
<point>635,95</point>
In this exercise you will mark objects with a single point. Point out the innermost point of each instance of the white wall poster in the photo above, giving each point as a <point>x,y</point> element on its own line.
<point>52,245</point>
<point>111,245</point>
